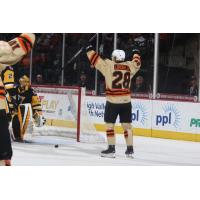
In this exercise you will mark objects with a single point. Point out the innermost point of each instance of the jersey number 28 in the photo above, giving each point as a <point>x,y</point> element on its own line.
<point>120,76</point>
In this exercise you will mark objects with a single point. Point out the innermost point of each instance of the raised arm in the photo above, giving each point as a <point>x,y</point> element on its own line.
<point>13,51</point>
<point>95,60</point>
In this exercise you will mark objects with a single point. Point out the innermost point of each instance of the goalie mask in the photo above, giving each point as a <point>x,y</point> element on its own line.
<point>24,82</point>
<point>118,55</point>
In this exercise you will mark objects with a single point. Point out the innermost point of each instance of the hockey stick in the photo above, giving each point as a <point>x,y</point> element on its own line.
<point>79,51</point>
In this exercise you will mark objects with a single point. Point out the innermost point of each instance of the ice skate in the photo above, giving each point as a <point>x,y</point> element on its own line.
<point>129,152</point>
<point>109,153</point>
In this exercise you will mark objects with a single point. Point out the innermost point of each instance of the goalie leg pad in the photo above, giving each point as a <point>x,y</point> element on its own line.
<point>16,127</point>
<point>25,118</point>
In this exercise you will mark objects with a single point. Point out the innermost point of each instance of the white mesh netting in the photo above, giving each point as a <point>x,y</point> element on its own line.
<point>61,104</point>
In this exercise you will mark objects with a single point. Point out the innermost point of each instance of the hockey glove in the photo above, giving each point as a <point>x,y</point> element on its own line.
<point>136,51</point>
<point>136,56</point>
<point>89,48</point>
<point>39,120</point>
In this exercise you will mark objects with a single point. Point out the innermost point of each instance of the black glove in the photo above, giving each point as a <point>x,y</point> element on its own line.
<point>136,51</point>
<point>89,47</point>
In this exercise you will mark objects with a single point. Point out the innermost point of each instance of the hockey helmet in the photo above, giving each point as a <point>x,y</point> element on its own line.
<point>118,55</point>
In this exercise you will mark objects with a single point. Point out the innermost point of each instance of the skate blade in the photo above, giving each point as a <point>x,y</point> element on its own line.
<point>111,155</point>
<point>129,156</point>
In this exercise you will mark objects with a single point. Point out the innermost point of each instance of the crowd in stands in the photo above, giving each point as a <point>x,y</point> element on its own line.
<point>176,61</point>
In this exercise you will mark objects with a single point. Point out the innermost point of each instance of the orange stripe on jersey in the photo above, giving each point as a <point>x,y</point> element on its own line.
<point>22,45</point>
<point>96,59</point>
<point>27,37</point>
<point>118,90</point>
<point>122,94</point>
<point>92,56</point>
<point>25,42</point>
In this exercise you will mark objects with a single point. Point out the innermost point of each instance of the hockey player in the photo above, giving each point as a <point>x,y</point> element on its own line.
<point>118,75</point>
<point>25,95</point>
<point>10,53</point>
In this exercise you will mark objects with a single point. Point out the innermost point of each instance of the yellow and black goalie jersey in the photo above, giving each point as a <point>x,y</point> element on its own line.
<point>117,76</point>
<point>29,96</point>
<point>8,79</point>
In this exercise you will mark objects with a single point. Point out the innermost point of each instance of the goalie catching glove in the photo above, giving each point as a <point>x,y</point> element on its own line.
<point>39,120</point>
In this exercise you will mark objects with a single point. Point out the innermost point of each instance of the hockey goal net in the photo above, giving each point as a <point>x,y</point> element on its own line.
<point>66,113</point>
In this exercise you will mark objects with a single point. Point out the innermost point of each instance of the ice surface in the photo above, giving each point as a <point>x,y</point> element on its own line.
<point>148,151</point>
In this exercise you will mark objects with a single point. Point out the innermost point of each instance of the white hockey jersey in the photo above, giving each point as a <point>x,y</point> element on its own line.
<point>15,50</point>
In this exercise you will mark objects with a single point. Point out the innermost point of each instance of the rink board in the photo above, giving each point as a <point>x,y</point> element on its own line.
<point>152,118</point>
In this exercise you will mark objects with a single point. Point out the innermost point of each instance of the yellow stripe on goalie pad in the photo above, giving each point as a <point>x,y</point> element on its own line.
<point>24,119</point>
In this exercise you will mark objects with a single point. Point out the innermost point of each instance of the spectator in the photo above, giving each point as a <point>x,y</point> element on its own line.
<point>83,81</point>
<point>193,88</point>
<point>39,79</point>
<point>140,40</point>
<point>185,84</point>
<point>139,85</point>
